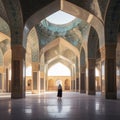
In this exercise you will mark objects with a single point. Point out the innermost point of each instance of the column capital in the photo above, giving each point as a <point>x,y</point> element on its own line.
<point>82,69</point>
<point>18,52</point>
<point>91,62</point>
<point>35,66</point>
<point>108,51</point>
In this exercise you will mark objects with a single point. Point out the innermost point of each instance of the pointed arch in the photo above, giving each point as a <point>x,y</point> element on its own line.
<point>82,57</point>
<point>32,39</point>
<point>61,59</point>
<point>66,7</point>
<point>92,43</point>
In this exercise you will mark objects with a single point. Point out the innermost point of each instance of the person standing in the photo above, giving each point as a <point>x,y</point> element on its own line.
<point>59,94</point>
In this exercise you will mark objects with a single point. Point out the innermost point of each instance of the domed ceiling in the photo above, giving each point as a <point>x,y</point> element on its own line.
<point>72,32</point>
<point>51,37</point>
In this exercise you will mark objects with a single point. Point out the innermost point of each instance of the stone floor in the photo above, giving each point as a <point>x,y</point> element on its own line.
<point>72,106</point>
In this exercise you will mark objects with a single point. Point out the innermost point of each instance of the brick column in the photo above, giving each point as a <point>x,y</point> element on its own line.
<point>18,72</point>
<point>110,72</point>
<point>91,76</point>
<point>77,81</point>
<point>82,80</point>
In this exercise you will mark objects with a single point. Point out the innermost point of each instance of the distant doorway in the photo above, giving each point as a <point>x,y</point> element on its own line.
<point>67,84</point>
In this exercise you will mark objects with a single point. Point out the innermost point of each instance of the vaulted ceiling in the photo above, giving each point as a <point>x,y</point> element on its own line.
<point>72,32</point>
<point>75,32</point>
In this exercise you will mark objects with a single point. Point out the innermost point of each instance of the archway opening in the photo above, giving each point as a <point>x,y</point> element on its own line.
<point>58,74</point>
<point>5,57</point>
<point>118,63</point>
<point>59,69</point>
<point>97,79</point>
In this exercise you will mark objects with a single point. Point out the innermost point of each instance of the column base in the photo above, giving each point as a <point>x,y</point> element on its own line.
<point>82,91</point>
<point>111,96</point>
<point>17,96</point>
<point>35,92</point>
<point>91,93</point>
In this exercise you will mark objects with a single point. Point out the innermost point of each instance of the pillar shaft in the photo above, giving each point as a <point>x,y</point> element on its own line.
<point>36,77</point>
<point>7,88</point>
<point>18,72</point>
<point>110,72</point>
<point>42,81</point>
<point>91,76</point>
<point>82,80</point>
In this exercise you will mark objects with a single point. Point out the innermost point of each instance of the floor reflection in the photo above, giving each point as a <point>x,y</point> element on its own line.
<point>72,106</point>
<point>28,111</point>
<point>59,105</point>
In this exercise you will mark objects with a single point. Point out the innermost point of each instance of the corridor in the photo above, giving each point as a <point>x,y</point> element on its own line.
<point>73,106</point>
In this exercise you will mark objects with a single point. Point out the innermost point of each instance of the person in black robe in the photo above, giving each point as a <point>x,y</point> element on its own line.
<point>59,94</point>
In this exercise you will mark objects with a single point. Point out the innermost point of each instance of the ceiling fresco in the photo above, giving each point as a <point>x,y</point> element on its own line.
<point>73,32</point>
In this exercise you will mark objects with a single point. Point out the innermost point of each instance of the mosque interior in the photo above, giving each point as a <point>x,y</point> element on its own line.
<point>82,54</point>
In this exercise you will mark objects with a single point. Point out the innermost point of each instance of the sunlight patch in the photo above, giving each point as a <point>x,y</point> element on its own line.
<point>60,18</point>
<point>59,69</point>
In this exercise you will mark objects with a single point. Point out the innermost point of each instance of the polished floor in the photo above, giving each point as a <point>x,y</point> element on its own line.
<point>46,106</point>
